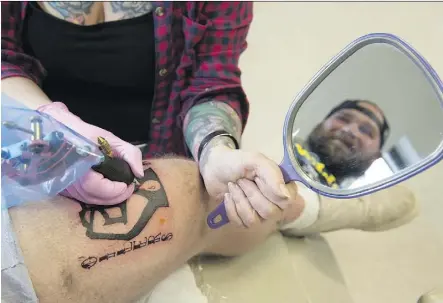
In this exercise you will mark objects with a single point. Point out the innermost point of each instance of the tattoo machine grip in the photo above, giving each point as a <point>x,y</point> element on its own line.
<point>115,169</point>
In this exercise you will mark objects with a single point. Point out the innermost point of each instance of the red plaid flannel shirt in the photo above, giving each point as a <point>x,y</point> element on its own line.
<point>198,45</point>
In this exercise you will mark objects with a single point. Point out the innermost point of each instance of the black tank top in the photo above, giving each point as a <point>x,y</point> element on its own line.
<point>104,73</point>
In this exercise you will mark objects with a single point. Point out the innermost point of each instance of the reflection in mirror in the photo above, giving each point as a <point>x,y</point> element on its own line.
<point>375,115</point>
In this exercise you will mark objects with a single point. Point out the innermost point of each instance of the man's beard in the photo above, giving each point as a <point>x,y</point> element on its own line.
<point>339,163</point>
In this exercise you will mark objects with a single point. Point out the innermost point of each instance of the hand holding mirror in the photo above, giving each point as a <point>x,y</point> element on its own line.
<point>371,118</point>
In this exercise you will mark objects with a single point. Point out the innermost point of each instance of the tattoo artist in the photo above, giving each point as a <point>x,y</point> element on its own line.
<point>163,75</point>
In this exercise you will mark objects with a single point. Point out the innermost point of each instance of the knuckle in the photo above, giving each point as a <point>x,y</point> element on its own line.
<point>254,196</point>
<point>265,208</point>
<point>236,197</point>
<point>239,224</point>
<point>261,206</point>
<point>283,204</point>
<point>238,221</point>
<point>276,211</point>
<point>245,218</point>
<point>265,212</point>
<point>233,217</point>
<point>253,218</point>
<point>249,222</point>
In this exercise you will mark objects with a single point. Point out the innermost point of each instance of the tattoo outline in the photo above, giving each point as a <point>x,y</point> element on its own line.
<point>91,261</point>
<point>154,194</point>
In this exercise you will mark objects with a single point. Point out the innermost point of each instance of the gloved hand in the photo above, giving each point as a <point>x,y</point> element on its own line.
<point>249,183</point>
<point>93,188</point>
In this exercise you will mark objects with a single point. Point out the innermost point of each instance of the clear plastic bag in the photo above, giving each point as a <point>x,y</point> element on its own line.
<point>40,156</point>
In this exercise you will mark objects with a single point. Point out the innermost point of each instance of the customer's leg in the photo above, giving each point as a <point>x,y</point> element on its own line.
<point>76,253</point>
<point>80,254</point>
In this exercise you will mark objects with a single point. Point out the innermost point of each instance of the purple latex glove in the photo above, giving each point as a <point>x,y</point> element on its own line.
<point>93,188</point>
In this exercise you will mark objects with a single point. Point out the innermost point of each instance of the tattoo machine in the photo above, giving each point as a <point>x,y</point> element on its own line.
<point>41,157</point>
<point>114,169</point>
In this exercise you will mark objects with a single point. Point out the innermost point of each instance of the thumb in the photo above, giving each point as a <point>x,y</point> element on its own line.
<point>128,152</point>
<point>270,174</point>
<point>133,156</point>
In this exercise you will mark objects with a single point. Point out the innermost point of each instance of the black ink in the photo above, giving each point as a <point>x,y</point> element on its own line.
<point>125,249</point>
<point>155,196</point>
<point>106,257</point>
<point>102,209</point>
<point>89,262</point>
<point>166,237</point>
<point>74,11</point>
<point>140,244</point>
<point>131,9</point>
<point>154,239</point>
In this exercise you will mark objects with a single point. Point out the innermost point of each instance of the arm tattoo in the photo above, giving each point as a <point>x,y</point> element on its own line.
<point>72,11</point>
<point>203,119</point>
<point>154,196</point>
<point>131,9</point>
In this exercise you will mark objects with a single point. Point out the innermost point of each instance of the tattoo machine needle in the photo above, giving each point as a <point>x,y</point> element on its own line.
<point>114,169</point>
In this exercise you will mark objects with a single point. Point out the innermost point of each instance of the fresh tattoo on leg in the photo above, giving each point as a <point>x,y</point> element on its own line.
<point>130,9</point>
<point>72,11</point>
<point>91,261</point>
<point>206,118</point>
<point>148,197</point>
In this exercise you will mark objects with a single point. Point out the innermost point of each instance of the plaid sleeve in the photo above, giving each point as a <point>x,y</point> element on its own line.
<point>15,63</point>
<point>215,36</point>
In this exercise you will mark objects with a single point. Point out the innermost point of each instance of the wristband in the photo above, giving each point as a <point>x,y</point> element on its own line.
<point>208,138</point>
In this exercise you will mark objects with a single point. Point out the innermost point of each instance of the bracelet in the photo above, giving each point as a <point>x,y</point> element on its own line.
<point>208,138</point>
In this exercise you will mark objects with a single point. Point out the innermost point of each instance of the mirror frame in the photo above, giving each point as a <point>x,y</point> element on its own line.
<point>420,62</point>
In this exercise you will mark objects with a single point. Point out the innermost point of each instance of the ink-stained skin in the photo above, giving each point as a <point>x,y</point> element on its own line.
<point>71,11</point>
<point>94,12</point>
<point>100,220</point>
<point>205,118</point>
<point>91,261</point>
<point>131,9</point>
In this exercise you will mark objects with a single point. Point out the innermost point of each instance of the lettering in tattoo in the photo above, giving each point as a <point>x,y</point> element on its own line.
<point>205,118</point>
<point>131,9</point>
<point>91,261</point>
<point>72,11</point>
<point>149,196</point>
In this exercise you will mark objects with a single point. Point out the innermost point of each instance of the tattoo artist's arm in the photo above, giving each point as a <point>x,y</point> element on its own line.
<point>205,118</point>
<point>21,73</point>
<point>25,91</point>
<point>215,99</point>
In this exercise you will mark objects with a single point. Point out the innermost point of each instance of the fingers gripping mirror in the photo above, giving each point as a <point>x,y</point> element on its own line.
<point>372,117</point>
